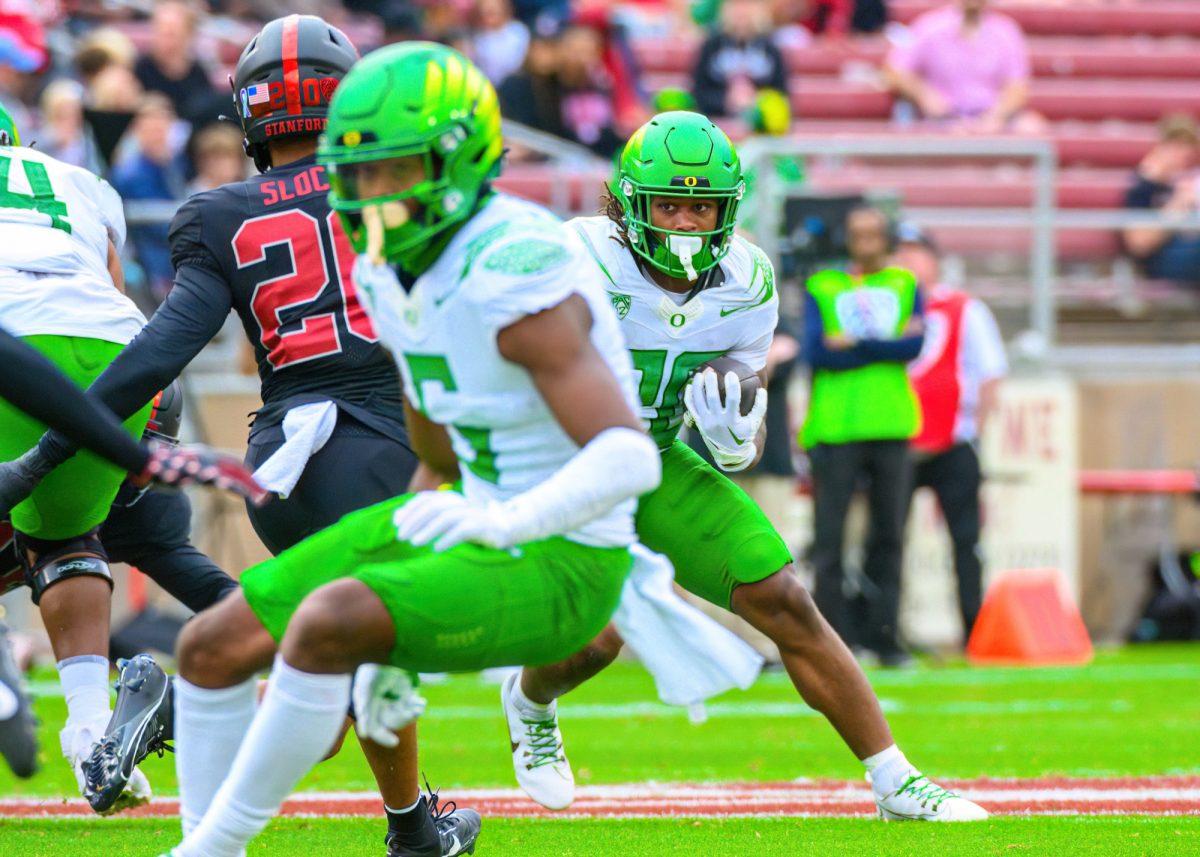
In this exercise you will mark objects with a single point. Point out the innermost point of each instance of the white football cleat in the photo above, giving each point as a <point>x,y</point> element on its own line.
<point>78,740</point>
<point>920,799</point>
<point>539,762</point>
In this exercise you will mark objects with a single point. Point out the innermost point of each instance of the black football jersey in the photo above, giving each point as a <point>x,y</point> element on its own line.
<point>275,242</point>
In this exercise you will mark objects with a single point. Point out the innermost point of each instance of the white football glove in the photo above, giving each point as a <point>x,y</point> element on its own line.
<point>385,700</point>
<point>728,435</point>
<point>447,518</point>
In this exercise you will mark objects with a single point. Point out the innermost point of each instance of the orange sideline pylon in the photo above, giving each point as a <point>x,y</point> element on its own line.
<point>1028,617</point>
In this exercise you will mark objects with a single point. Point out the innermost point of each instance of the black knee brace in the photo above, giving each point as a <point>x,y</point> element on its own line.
<point>82,556</point>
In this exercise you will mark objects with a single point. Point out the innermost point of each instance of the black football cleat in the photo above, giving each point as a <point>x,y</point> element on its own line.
<point>456,831</point>
<point>140,725</point>
<point>18,728</point>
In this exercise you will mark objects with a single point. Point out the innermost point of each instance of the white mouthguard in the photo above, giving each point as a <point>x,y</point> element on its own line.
<point>685,247</point>
<point>376,218</point>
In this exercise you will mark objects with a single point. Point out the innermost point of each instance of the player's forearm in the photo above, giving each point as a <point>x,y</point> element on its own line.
<point>188,319</point>
<point>587,486</point>
<point>35,386</point>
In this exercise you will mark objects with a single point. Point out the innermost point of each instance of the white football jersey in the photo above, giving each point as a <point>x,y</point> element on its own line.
<point>55,224</point>
<point>669,340</point>
<point>513,259</point>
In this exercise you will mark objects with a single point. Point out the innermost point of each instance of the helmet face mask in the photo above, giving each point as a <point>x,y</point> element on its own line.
<point>393,196</point>
<point>678,154</point>
<point>410,99</point>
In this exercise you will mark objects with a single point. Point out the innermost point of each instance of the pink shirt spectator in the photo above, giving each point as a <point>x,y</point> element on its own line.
<point>969,72</point>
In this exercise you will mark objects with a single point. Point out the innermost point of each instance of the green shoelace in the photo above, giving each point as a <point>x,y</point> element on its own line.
<point>544,748</point>
<point>927,794</point>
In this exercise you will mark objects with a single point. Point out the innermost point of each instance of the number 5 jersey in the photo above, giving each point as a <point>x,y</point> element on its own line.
<point>512,259</point>
<point>56,221</point>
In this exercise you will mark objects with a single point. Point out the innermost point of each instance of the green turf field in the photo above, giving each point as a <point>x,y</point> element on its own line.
<point>1143,837</point>
<point>1132,712</point>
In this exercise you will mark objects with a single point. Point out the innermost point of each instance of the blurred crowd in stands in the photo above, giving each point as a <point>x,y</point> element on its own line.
<point>134,89</point>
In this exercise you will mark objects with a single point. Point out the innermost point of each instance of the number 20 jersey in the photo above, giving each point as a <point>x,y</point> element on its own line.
<point>667,340</point>
<point>275,242</point>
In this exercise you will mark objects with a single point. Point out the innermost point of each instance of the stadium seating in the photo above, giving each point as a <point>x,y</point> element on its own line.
<point>1051,56</point>
<point>1140,99</point>
<point>1142,17</point>
<point>1104,74</point>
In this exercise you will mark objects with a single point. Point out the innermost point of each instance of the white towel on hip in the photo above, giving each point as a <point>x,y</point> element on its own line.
<point>690,656</point>
<point>306,428</point>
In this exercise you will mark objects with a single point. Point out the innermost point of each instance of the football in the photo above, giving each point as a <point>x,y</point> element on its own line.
<point>748,377</point>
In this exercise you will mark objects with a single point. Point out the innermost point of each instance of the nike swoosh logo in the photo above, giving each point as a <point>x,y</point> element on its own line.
<point>736,439</point>
<point>455,847</point>
<point>437,302</point>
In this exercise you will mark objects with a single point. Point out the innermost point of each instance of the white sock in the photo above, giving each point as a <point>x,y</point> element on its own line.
<point>209,725</point>
<point>84,681</point>
<point>887,768</point>
<point>297,723</point>
<point>525,705</point>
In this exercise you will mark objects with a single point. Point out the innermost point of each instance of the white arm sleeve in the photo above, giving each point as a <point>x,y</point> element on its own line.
<point>112,212</point>
<point>983,348</point>
<point>586,487</point>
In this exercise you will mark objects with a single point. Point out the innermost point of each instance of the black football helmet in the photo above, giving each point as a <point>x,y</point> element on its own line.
<point>285,78</point>
<point>166,415</point>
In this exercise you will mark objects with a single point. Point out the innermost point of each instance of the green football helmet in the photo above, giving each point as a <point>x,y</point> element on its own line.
<point>679,154</point>
<point>411,99</point>
<point>8,129</point>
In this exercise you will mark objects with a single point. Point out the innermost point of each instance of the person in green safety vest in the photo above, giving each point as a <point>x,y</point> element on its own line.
<point>861,327</point>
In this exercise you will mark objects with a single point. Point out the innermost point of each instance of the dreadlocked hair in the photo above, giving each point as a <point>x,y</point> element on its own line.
<point>611,208</point>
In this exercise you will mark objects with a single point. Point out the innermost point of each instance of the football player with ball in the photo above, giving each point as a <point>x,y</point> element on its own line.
<point>698,308</point>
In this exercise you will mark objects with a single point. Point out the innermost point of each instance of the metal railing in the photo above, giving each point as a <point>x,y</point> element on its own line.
<point>1042,218</point>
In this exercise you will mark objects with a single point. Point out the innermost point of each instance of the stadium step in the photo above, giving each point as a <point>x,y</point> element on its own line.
<point>1107,143</point>
<point>1147,17</point>
<point>1006,186</point>
<point>1050,56</point>
<point>1142,99</point>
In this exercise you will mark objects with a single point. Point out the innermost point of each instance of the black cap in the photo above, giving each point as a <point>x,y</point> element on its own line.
<point>908,232</point>
<point>285,79</point>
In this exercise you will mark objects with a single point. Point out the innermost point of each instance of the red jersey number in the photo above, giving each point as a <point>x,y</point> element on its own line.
<point>310,274</point>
